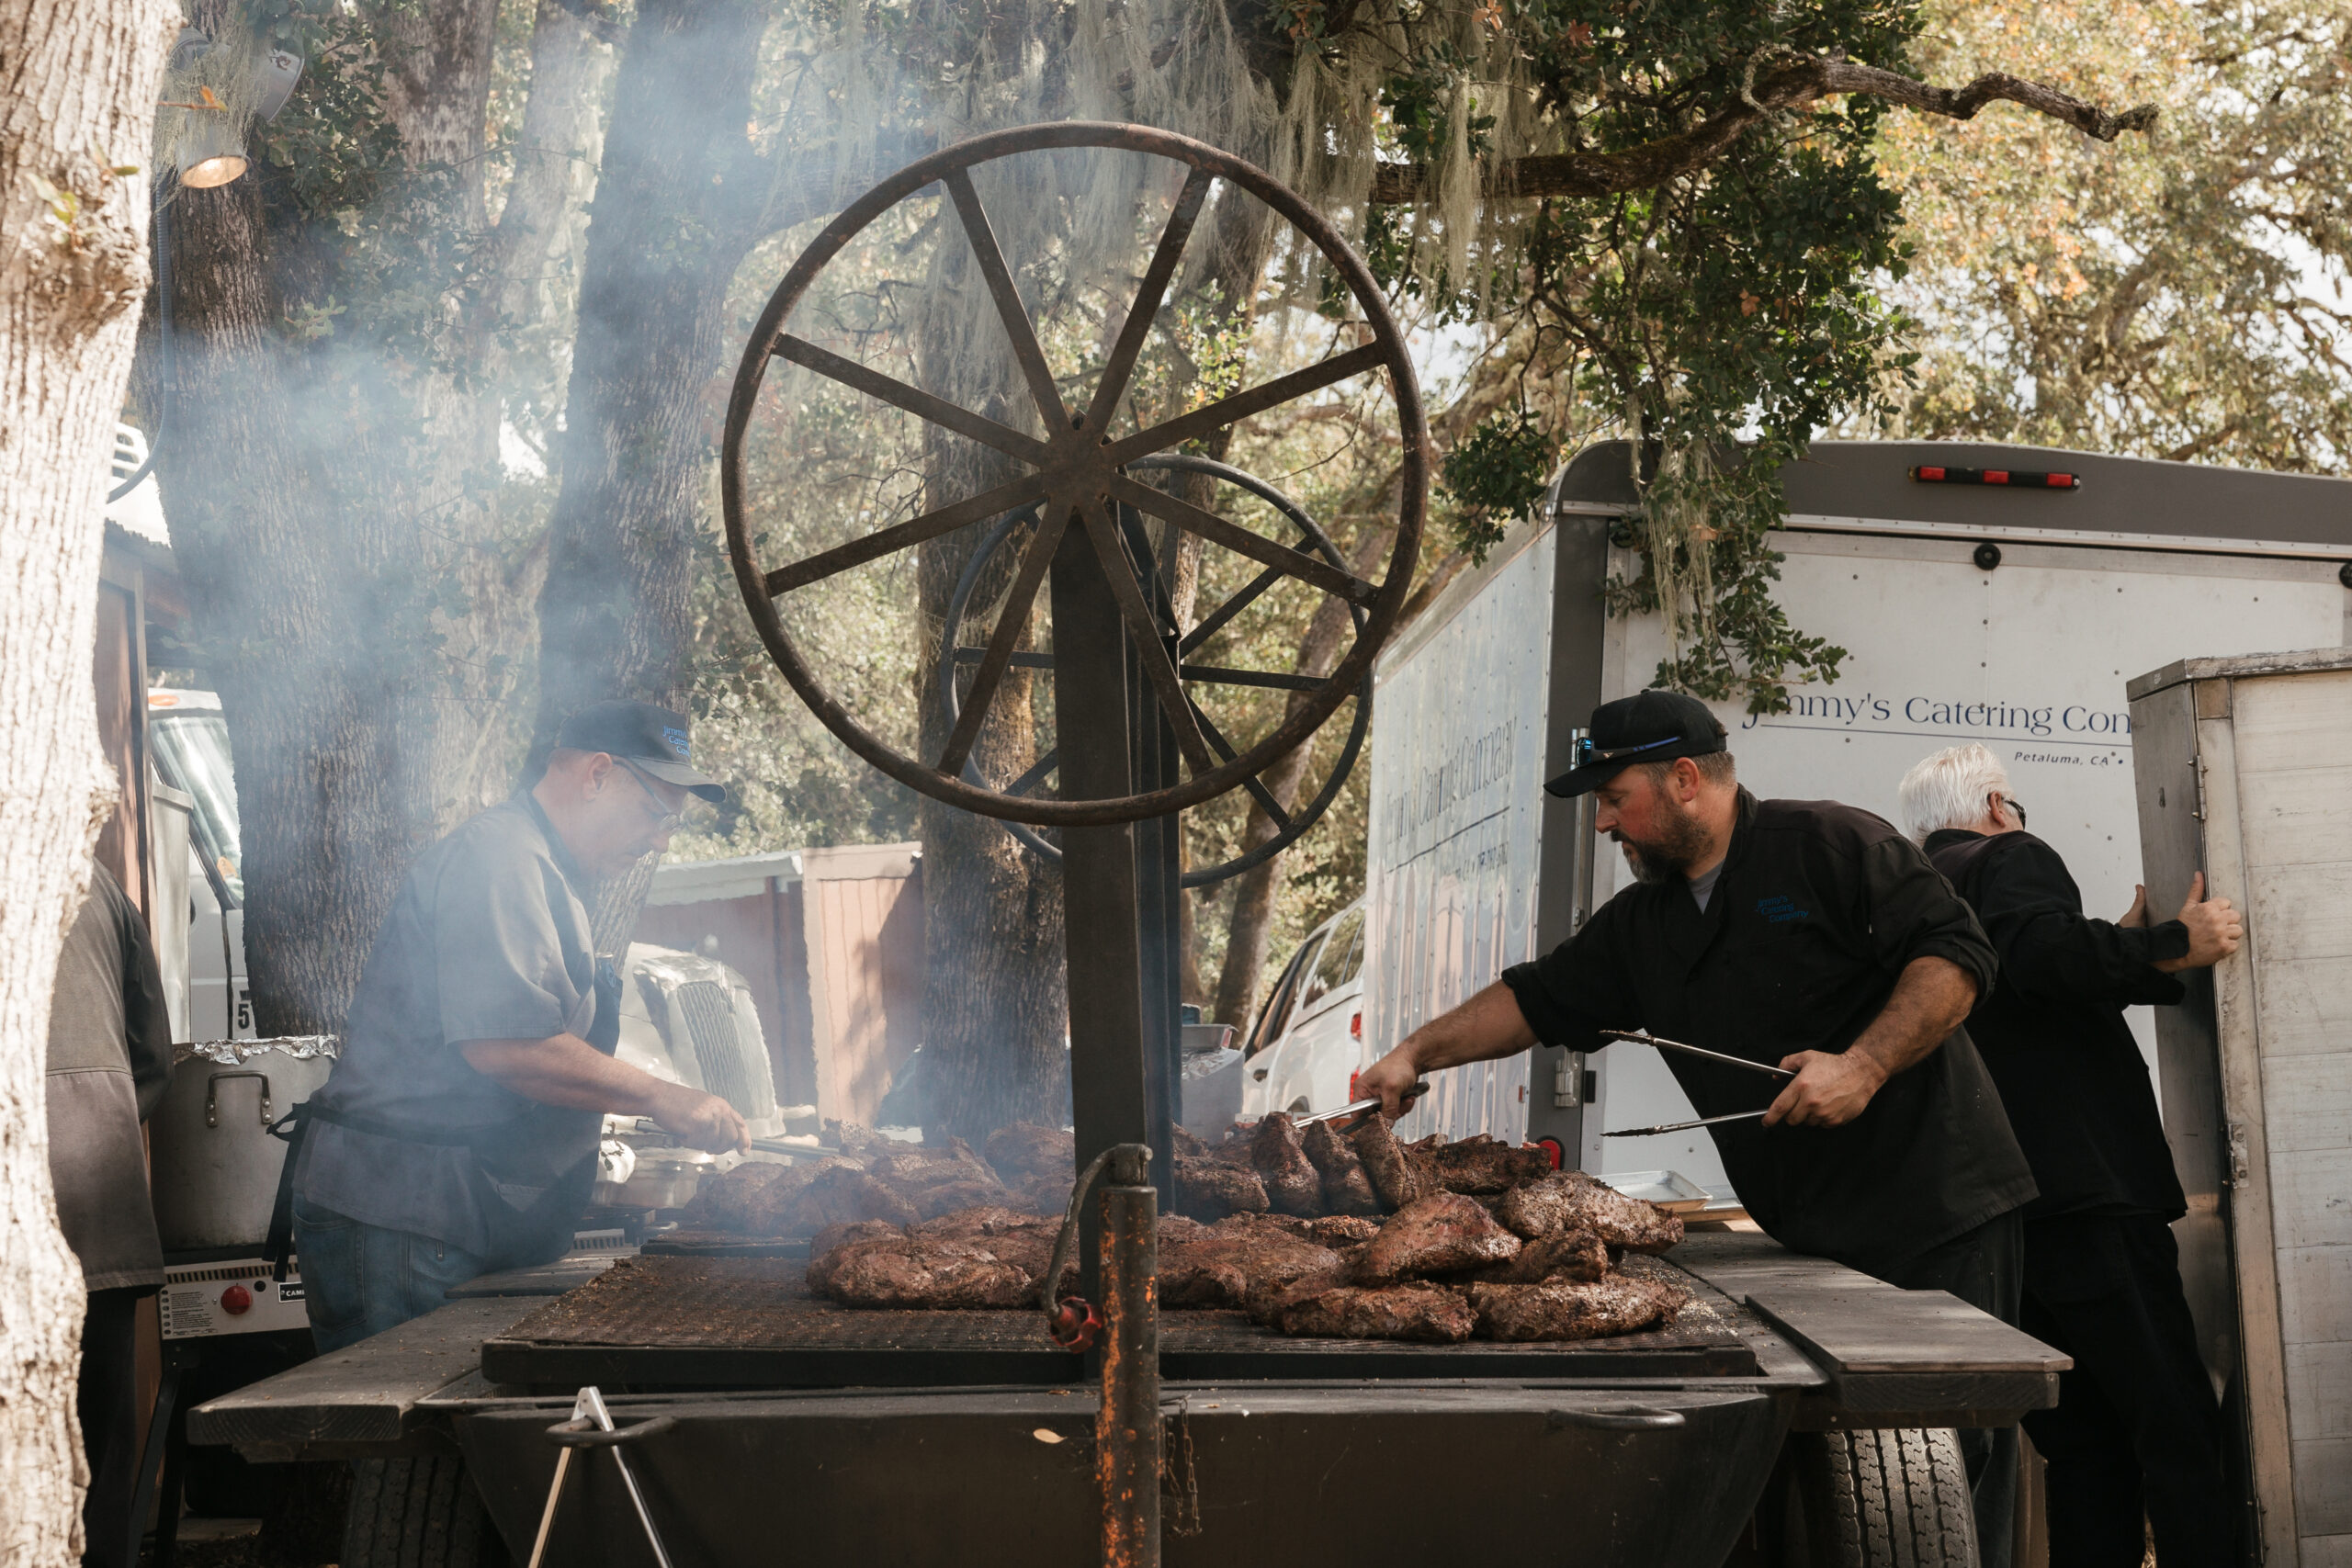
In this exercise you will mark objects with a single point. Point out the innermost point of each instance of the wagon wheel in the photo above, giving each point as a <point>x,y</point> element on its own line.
<point>1078,479</point>
<point>1289,825</point>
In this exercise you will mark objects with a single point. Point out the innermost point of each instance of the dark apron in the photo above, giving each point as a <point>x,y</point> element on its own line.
<point>536,1230</point>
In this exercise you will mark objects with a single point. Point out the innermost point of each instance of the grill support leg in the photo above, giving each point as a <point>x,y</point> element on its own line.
<point>1126,1427</point>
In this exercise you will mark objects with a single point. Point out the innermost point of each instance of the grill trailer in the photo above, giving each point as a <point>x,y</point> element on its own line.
<point>783,1427</point>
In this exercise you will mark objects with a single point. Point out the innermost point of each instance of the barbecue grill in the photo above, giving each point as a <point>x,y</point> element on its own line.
<point>760,1422</point>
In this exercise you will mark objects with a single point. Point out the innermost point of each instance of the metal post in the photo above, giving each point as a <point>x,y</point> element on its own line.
<point>1126,1427</point>
<point>1110,1093</point>
<point>1158,889</point>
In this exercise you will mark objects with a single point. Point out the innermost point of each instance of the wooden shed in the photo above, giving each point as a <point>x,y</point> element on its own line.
<point>2244,769</point>
<point>831,944</point>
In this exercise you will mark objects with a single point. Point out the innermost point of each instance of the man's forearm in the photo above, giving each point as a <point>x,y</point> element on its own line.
<point>1931,999</point>
<point>1486,1026</point>
<point>566,1071</point>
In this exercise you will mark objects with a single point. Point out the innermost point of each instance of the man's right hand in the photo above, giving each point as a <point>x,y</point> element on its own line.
<point>1389,1077</point>
<point>703,1121</point>
<point>2215,931</point>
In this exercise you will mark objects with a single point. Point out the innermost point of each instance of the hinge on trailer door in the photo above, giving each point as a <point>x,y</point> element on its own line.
<point>1567,1081</point>
<point>2200,813</point>
<point>2240,1164</point>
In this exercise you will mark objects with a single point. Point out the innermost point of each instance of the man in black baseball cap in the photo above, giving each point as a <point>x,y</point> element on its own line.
<point>459,1131</point>
<point>1807,936</point>
<point>1648,727</point>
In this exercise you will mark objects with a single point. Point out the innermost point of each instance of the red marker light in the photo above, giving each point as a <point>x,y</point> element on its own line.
<point>1929,474</point>
<point>236,1301</point>
<point>1355,1027</point>
<point>1551,1147</point>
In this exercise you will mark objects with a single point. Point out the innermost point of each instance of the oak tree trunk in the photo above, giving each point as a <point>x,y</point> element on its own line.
<point>360,601</point>
<point>77,102</point>
<point>677,208</point>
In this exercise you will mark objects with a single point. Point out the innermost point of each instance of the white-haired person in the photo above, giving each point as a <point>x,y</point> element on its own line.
<point>2136,1433</point>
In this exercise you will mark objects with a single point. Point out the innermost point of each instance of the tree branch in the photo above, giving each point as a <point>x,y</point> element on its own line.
<point>1788,86</point>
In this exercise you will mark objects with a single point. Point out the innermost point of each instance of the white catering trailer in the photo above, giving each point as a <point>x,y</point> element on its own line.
<point>1971,611</point>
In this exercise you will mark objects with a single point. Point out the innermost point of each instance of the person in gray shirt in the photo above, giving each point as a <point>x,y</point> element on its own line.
<point>109,1062</point>
<point>458,1134</point>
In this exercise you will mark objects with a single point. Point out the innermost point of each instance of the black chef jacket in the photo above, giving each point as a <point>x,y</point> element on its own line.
<point>1818,909</point>
<point>2052,1031</point>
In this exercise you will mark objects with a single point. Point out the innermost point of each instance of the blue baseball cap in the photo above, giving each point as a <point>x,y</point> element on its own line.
<point>653,738</point>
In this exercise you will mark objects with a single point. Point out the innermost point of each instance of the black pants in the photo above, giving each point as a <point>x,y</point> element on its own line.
<point>1983,1267</point>
<point>106,1397</point>
<point>2136,1432</point>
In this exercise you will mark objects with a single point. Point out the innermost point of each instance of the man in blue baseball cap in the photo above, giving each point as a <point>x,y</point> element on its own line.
<point>1805,935</point>
<point>459,1131</point>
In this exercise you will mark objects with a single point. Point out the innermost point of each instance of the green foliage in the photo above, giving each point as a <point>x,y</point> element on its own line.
<point>2179,295</point>
<point>1496,475</point>
<point>1733,307</point>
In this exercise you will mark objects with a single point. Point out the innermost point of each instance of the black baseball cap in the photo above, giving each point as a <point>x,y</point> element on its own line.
<point>1648,727</point>
<point>653,738</point>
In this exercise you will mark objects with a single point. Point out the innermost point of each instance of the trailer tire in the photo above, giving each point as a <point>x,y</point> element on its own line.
<point>1897,1498</point>
<point>418,1512</point>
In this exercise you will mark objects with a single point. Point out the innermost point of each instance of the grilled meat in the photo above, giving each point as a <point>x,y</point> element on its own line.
<point>905,1272</point>
<point>1226,1264</point>
<point>831,1245</point>
<point>1341,1230</point>
<point>961,1224</point>
<point>1293,1184</point>
<point>1620,1304</point>
<point>1445,1233</point>
<point>1575,1255</point>
<point>1422,1312</point>
<point>1347,1189</point>
<point>954,1197</point>
<point>1394,1178</point>
<point>1212,1188</point>
<point>836,1196</point>
<point>1025,1150</point>
<point>1479,1165</point>
<point>1570,1200</point>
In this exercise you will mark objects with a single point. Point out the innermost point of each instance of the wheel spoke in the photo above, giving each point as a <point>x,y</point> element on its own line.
<point>1146,309</point>
<point>1035,772</point>
<point>1241,541</point>
<point>1150,646</point>
<point>1213,675</point>
<point>897,394</point>
<point>1019,661</point>
<point>1214,621</point>
<point>929,525</point>
<point>1255,785</point>
<point>1241,405</point>
<point>1010,621</point>
<point>1008,307</point>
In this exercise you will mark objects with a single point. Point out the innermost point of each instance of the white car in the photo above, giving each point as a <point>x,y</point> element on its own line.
<point>1309,1044</point>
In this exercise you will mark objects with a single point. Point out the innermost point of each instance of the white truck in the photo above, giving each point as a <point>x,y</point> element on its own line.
<point>1971,611</point>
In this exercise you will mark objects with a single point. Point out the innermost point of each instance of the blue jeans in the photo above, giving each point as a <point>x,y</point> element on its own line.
<point>360,1280</point>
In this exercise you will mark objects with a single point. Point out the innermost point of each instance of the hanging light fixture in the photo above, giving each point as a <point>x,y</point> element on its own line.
<point>209,149</point>
<point>211,152</point>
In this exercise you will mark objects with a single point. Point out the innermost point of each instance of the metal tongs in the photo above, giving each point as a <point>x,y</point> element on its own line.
<point>1359,1107</point>
<point>1663,1045</point>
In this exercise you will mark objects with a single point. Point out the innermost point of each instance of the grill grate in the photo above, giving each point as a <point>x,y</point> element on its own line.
<point>709,1014</point>
<point>752,1322</point>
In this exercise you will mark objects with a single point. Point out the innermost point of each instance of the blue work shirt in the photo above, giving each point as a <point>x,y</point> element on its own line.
<point>488,940</point>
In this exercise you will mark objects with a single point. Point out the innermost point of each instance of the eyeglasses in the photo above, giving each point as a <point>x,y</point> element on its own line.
<point>1586,752</point>
<point>2016,805</point>
<point>664,820</point>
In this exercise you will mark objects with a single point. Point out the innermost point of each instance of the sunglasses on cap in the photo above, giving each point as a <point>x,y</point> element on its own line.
<point>1586,752</point>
